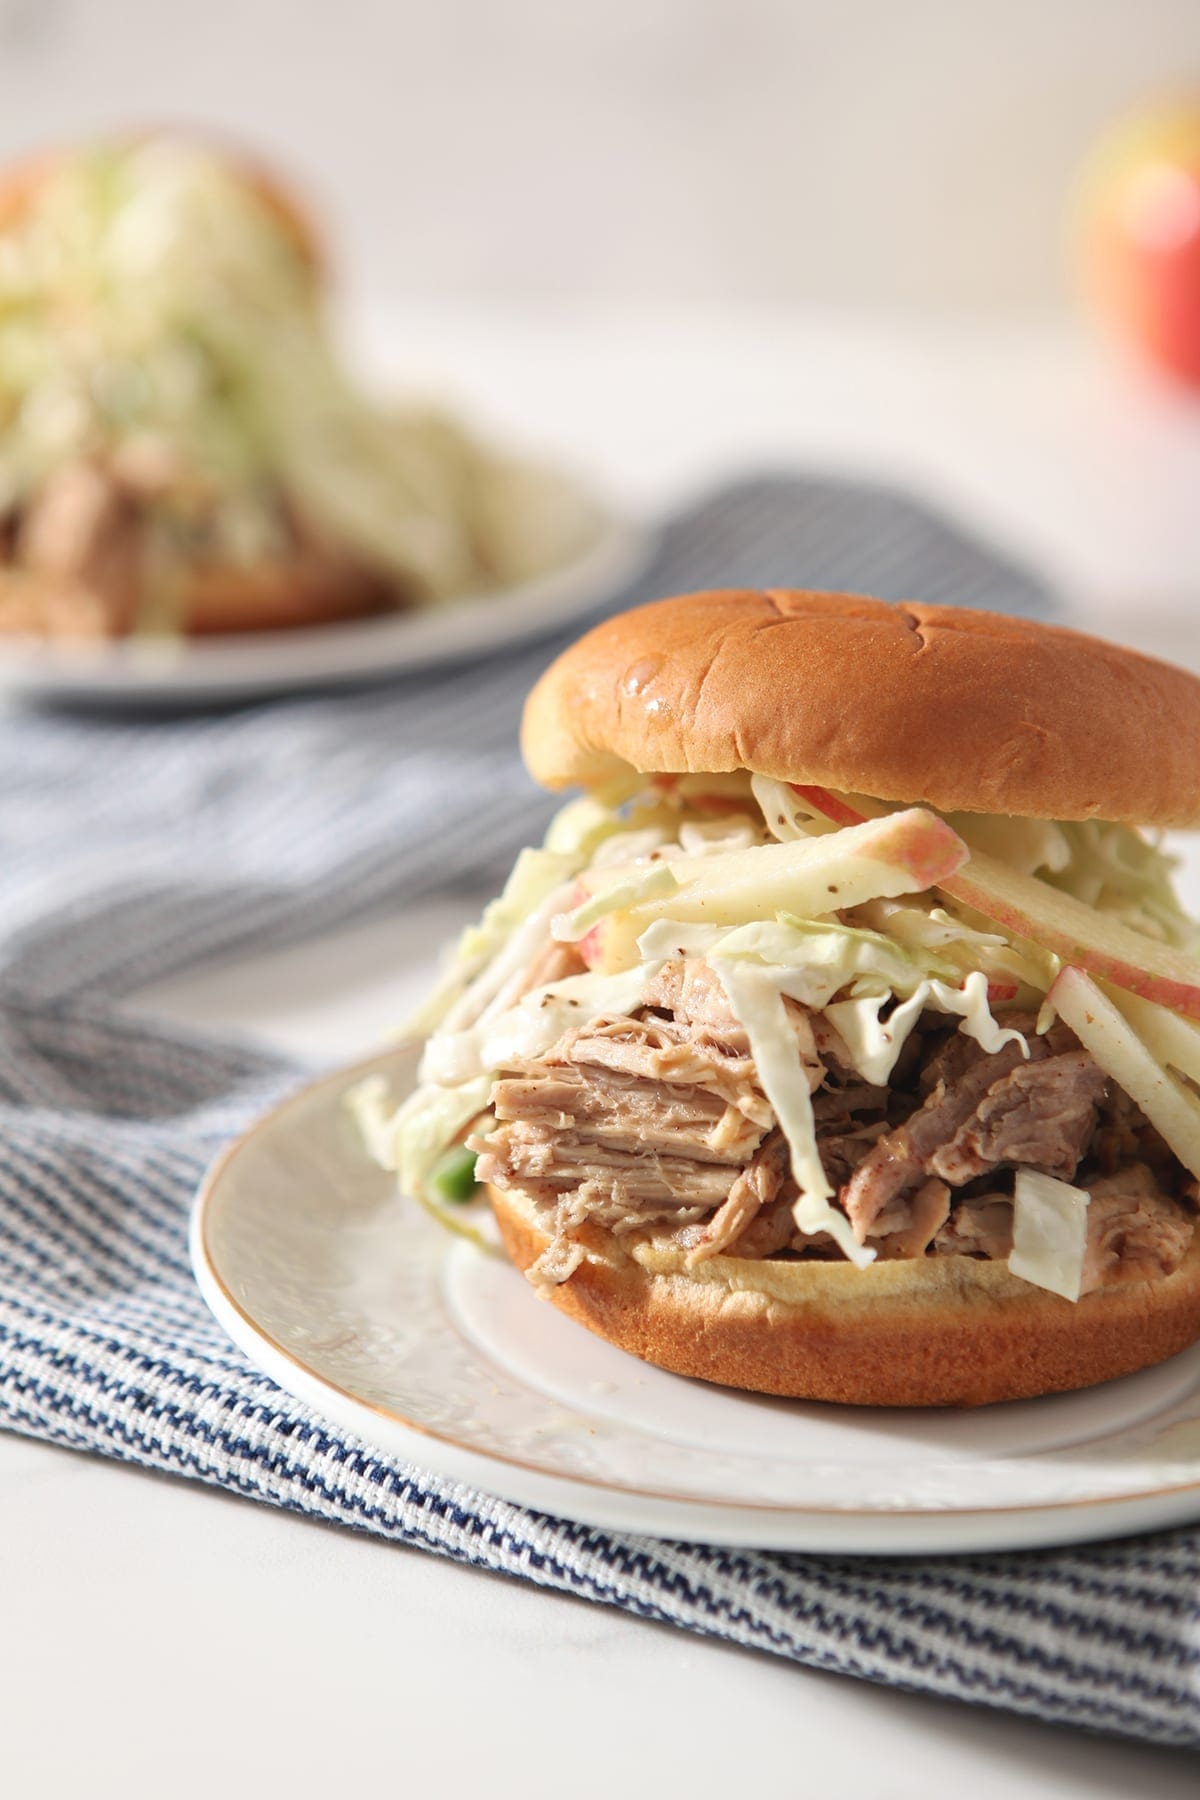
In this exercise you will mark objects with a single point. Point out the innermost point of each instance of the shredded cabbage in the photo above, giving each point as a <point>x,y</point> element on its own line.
<point>580,827</point>
<point>631,822</point>
<point>410,1138</point>
<point>530,1027</point>
<point>709,837</point>
<point>1114,869</point>
<point>812,960</point>
<point>538,877</point>
<point>375,1116</point>
<point>875,1044</point>
<point>758,1004</point>
<point>1030,845</point>
<point>635,845</point>
<point>1049,1233</point>
<point>788,814</point>
<point>958,947</point>
<point>733,788</point>
<point>654,884</point>
<point>817,958</point>
<point>673,938</point>
<point>784,814</point>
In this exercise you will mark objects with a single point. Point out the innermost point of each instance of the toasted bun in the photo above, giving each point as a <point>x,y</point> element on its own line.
<point>281,595</point>
<point>967,711</point>
<point>302,590</point>
<point>936,1331</point>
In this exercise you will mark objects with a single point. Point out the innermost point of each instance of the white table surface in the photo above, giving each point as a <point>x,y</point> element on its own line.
<point>160,1640</point>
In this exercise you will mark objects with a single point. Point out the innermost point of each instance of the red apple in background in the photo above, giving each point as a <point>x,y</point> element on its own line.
<point>1142,235</point>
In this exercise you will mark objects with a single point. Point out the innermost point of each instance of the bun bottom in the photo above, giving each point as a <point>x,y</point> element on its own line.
<point>944,1331</point>
<point>282,596</point>
<point>279,596</point>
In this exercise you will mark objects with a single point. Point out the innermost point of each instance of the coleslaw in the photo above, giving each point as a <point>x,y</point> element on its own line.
<point>691,854</point>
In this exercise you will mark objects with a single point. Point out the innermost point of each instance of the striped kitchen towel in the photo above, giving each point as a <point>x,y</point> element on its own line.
<point>131,849</point>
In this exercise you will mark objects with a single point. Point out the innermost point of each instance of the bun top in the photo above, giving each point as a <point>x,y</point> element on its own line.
<point>965,711</point>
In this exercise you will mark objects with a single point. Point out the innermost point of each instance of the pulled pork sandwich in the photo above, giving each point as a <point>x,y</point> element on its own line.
<point>842,1042</point>
<point>180,448</point>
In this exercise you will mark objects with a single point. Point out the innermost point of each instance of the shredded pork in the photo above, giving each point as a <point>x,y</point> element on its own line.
<point>656,1122</point>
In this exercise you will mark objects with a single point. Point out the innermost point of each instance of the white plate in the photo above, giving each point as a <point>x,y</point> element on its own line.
<point>356,1302</point>
<point>182,671</point>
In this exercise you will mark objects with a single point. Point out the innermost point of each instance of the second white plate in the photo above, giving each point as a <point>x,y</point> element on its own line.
<point>164,672</point>
<point>355,1301</point>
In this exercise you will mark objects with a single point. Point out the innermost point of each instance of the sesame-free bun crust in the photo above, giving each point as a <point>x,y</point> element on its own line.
<point>934,1331</point>
<point>965,711</point>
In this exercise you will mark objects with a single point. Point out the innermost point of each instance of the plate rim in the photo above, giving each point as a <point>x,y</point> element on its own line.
<point>1041,1522</point>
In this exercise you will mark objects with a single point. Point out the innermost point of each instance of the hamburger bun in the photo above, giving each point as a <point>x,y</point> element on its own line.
<point>965,711</point>
<point>944,1331</point>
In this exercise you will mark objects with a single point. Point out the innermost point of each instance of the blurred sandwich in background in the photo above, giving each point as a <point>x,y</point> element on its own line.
<point>181,450</point>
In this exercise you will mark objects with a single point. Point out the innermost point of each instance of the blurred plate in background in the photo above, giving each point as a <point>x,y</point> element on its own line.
<point>166,672</point>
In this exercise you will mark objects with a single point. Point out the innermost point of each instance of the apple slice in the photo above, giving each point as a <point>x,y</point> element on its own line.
<point>1074,933</point>
<point>1172,1041</point>
<point>1078,934</point>
<point>903,853</point>
<point>830,806</point>
<point>1171,1108</point>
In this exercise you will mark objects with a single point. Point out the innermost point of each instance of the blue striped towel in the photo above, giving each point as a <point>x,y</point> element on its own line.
<point>131,849</point>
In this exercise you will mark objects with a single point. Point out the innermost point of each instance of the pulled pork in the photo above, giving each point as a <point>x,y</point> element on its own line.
<point>655,1122</point>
